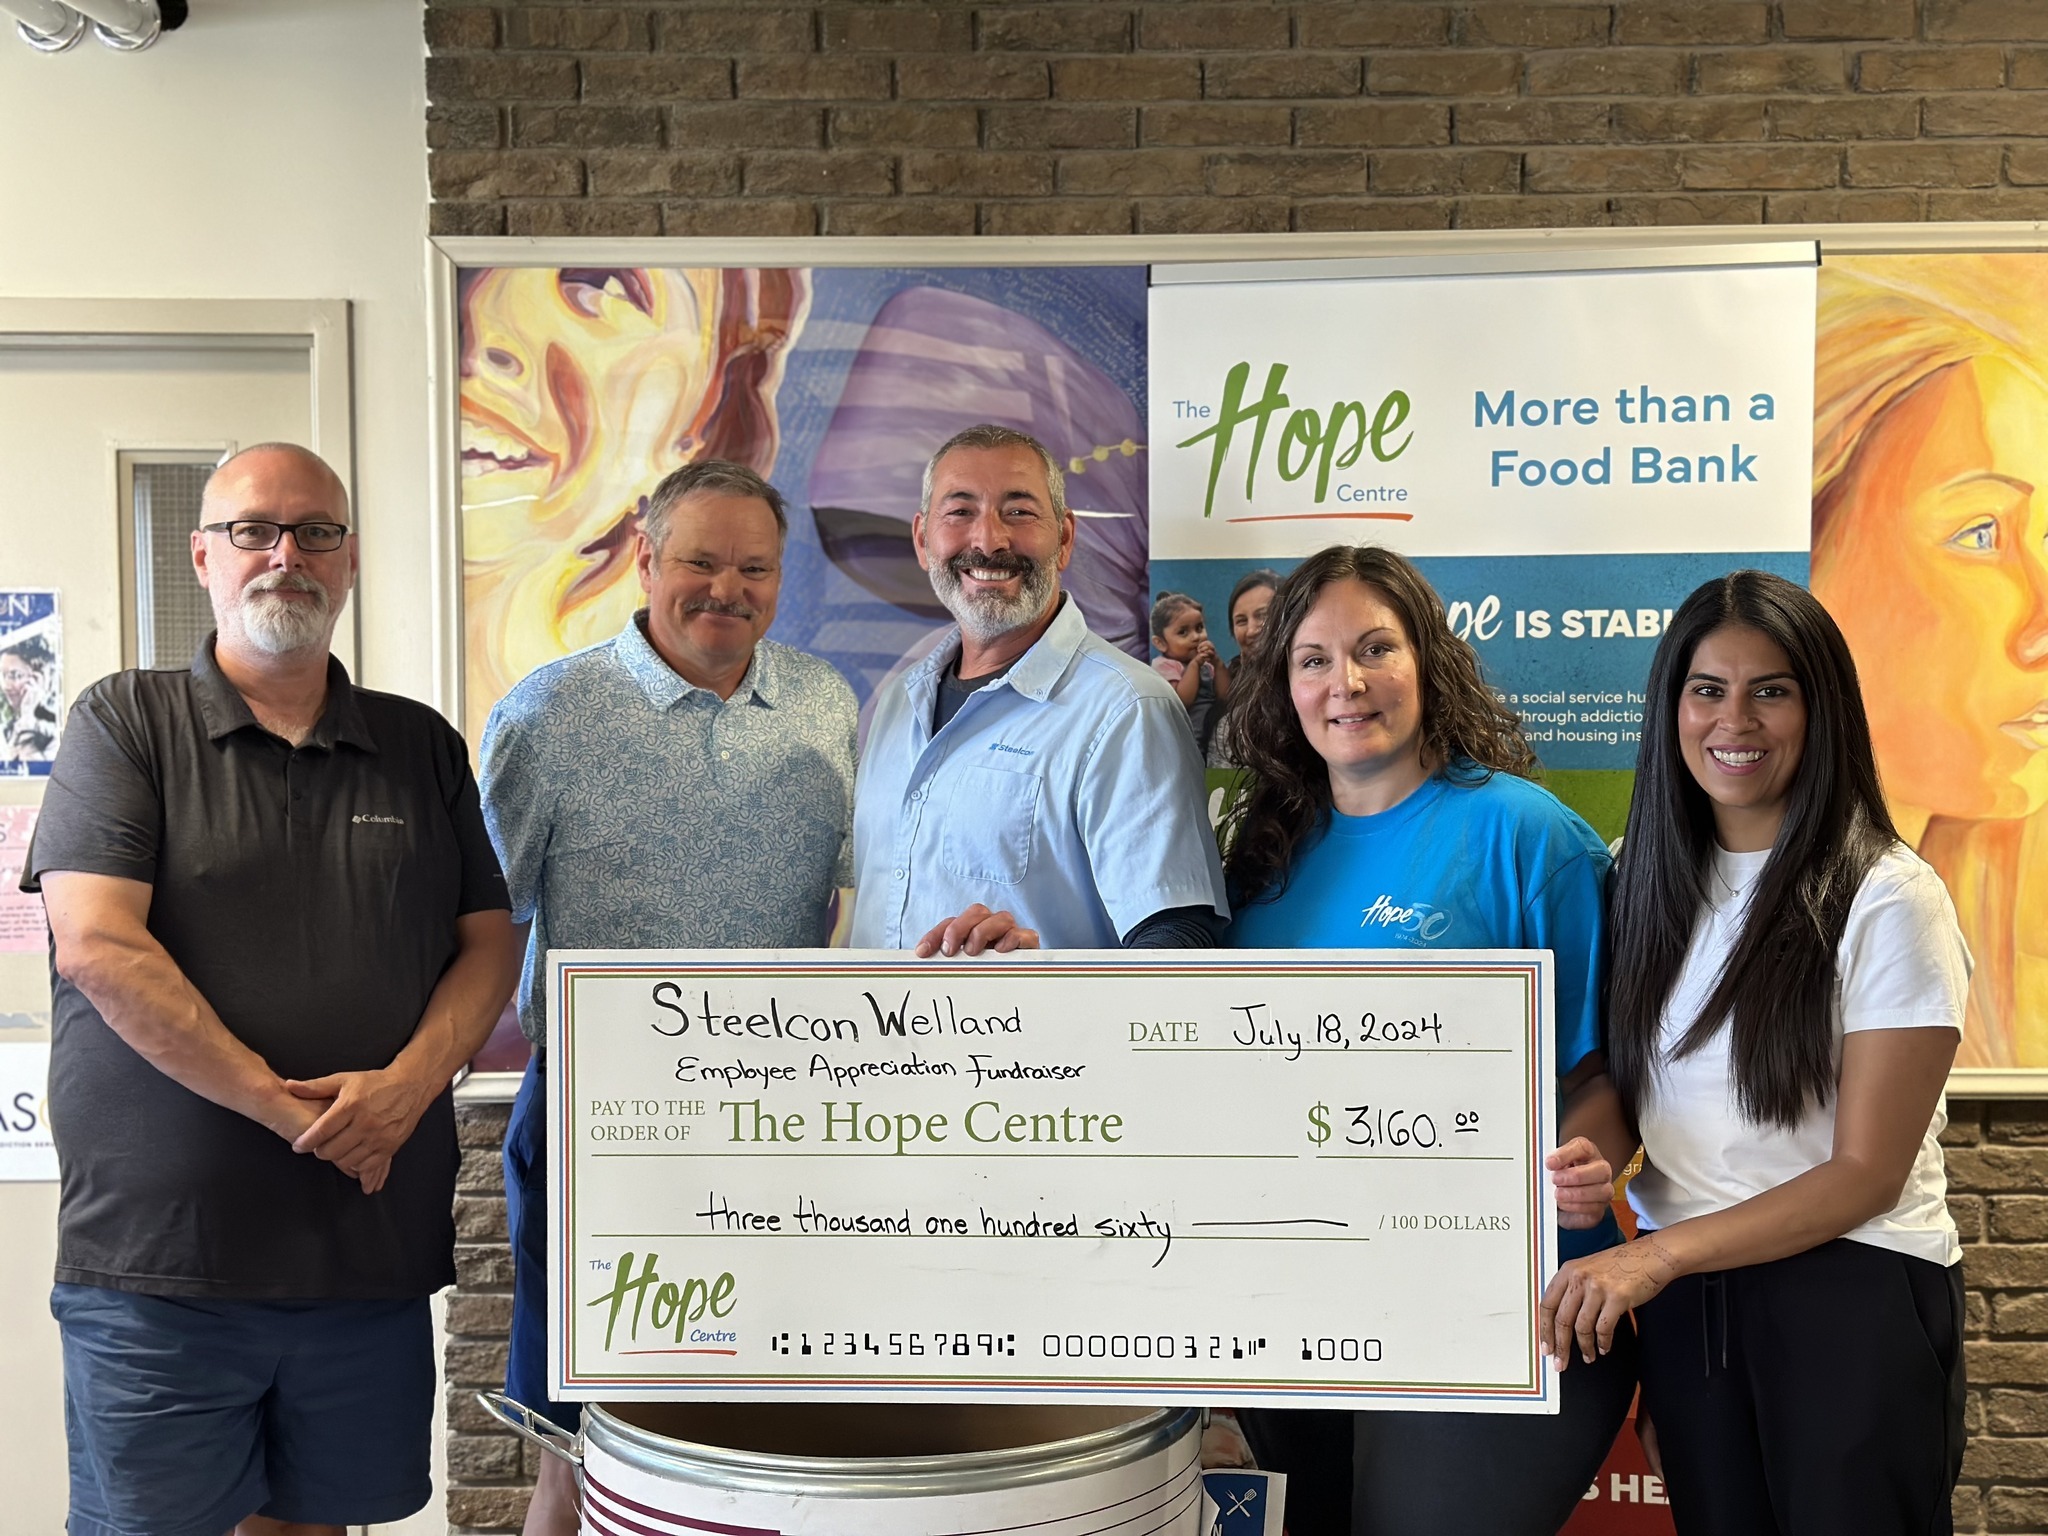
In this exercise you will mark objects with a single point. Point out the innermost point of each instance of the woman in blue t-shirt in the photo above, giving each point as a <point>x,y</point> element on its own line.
<point>1390,807</point>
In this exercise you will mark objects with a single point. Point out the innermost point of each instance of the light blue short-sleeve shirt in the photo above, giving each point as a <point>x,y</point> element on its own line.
<point>632,810</point>
<point>1068,792</point>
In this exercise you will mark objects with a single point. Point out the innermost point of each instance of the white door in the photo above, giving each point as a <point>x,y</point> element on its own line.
<point>109,416</point>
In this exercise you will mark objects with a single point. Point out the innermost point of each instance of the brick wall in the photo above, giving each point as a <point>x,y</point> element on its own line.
<point>489,1468</point>
<point>1098,118</point>
<point>1998,1191</point>
<point>1092,117</point>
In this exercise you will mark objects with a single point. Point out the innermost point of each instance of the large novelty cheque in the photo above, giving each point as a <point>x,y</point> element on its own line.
<point>1246,1177</point>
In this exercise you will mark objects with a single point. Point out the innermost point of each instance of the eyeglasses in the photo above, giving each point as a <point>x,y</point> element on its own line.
<point>255,533</point>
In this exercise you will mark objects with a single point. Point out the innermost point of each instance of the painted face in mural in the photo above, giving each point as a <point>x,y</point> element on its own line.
<point>581,388</point>
<point>1932,558</point>
<point>1930,514</point>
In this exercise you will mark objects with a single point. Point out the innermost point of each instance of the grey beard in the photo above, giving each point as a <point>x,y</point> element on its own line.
<point>988,616</point>
<point>277,627</point>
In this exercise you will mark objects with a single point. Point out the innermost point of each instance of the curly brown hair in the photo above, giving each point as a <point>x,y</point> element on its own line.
<point>1465,727</point>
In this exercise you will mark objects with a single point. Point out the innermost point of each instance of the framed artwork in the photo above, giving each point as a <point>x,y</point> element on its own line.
<point>1930,547</point>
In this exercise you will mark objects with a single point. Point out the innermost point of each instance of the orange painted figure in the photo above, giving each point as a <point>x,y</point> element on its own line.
<point>581,388</point>
<point>1930,547</point>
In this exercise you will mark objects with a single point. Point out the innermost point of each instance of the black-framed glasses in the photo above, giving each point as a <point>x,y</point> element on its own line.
<point>255,533</point>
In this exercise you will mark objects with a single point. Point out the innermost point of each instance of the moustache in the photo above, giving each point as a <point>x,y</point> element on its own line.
<point>975,560</point>
<point>713,605</point>
<point>282,581</point>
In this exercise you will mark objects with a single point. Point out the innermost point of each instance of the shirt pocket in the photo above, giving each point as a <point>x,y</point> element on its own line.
<point>988,824</point>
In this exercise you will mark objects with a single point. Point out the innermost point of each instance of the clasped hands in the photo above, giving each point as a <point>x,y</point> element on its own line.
<point>359,1120</point>
<point>355,1120</point>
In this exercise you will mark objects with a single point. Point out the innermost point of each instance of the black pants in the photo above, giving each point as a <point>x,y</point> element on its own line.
<point>1447,1474</point>
<point>1816,1395</point>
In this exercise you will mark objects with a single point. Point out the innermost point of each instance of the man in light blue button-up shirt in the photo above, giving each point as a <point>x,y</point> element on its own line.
<point>1026,783</point>
<point>688,784</point>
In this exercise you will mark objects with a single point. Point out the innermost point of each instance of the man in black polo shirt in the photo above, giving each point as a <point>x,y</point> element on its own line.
<point>277,930</point>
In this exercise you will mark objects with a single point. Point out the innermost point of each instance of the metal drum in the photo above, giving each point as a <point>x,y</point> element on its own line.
<point>923,1469</point>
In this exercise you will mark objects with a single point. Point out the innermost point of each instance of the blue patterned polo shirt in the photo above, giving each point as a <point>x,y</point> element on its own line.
<point>632,810</point>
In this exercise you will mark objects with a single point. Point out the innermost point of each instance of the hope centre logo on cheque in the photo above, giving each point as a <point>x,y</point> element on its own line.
<point>671,1307</point>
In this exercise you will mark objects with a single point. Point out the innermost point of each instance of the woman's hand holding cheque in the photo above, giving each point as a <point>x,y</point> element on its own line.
<point>1587,1298</point>
<point>1584,1181</point>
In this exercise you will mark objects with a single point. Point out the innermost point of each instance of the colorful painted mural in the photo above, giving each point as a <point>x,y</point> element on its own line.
<point>1930,546</point>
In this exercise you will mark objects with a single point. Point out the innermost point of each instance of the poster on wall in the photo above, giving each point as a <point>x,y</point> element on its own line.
<point>23,929</point>
<point>31,681</point>
<point>582,387</point>
<point>1930,547</point>
<point>27,1154</point>
<point>1565,455</point>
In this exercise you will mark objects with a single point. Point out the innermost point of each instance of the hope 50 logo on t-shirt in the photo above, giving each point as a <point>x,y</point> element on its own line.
<point>1422,923</point>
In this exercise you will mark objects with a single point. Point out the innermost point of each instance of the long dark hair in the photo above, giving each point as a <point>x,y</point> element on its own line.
<point>1778,985</point>
<point>1463,720</point>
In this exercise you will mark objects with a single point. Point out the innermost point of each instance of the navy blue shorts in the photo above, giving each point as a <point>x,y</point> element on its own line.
<point>526,1216</point>
<point>185,1415</point>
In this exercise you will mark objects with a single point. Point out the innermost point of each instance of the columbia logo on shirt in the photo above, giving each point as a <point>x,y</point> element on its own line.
<point>363,818</point>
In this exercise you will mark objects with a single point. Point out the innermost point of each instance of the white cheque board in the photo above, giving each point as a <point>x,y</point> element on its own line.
<point>1299,1178</point>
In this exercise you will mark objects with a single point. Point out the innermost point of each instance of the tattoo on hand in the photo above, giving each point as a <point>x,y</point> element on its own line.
<point>1646,1259</point>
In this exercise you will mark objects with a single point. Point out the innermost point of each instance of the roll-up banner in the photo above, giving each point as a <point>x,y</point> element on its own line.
<point>1565,453</point>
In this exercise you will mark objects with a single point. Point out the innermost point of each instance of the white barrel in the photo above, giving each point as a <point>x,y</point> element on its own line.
<point>830,1469</point>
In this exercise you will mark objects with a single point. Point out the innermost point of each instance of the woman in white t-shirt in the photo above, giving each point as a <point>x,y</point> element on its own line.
<point>1785,996</point>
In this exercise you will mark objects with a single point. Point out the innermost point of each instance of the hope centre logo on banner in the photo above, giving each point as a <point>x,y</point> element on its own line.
<point>1306,439</point>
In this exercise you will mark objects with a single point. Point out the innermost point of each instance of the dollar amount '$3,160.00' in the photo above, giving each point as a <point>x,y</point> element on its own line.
<point>1380,1127</point>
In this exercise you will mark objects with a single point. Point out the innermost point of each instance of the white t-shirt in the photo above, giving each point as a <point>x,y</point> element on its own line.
<point>1902,964</point>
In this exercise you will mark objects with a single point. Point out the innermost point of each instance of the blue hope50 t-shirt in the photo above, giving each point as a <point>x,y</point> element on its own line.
<point>1462,863</point>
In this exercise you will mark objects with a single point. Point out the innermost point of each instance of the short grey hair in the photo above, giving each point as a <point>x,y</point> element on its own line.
<point>209,495</point>
<point>989,435</point>
<point>717,475</point>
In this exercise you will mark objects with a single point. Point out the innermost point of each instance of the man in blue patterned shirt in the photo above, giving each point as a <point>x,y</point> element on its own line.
<point>688,784</point>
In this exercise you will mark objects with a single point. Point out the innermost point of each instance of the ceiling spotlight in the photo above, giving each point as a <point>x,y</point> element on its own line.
<point>46,25</point>
<point>127,26</point>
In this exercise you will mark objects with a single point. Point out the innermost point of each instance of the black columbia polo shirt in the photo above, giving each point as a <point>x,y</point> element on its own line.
<point>311,895</point>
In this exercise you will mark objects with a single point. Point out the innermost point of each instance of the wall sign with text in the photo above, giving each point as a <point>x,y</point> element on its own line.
<point>1566,454</point>
<point>27,1153</point>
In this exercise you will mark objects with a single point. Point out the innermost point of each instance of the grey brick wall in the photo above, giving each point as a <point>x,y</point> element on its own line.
<point>1094,118</point>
